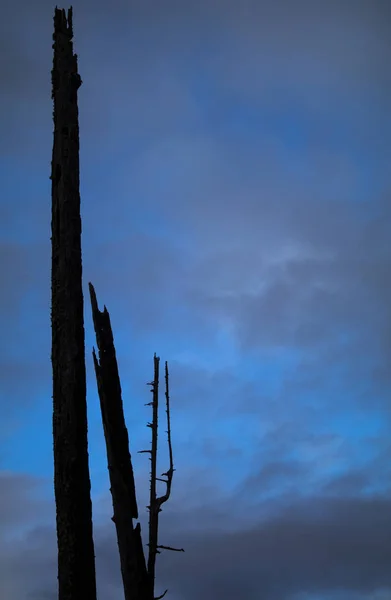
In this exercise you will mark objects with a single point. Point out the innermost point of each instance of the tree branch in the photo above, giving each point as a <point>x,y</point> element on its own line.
<point>170,548</point>
<point>170,473</point>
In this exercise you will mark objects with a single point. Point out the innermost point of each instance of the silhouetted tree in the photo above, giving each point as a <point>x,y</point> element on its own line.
<point>155,501</point>
<point>76,563</point>
<point>133,568</point>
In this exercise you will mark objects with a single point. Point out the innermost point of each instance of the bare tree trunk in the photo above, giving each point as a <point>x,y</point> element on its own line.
<point>133,566</point>
<point>155,501</point>
<point>76,562</point>
<point>153,505</point>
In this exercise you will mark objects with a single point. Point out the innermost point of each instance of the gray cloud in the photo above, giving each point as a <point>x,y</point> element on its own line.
<point>311,547</point>
<point>312,544</point>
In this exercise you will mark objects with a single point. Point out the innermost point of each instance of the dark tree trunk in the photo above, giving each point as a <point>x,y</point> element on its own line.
<point>132,559</point>
<point>154,506</point>
<point>76,562</point>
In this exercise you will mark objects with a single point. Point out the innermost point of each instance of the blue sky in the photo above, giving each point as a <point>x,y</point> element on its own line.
<point>236,206</point>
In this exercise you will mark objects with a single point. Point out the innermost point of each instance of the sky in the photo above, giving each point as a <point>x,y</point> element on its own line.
<point>236,209</point>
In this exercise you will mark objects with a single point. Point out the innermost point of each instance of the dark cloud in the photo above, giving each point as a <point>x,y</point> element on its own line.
<point>316,544</point>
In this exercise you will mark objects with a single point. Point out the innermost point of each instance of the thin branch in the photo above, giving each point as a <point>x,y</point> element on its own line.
<point>170,473</point>
<point>162,596</point>
<point>171,548</point>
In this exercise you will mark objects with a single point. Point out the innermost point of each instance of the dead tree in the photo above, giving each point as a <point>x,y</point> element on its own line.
<point>132,560</point>
<point>76,562</point>
<point>138,579</point>
<point>155,501</point>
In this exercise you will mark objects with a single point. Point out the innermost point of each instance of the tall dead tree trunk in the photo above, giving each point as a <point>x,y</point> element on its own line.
<point>76,562</point>
<point>123,492</point>
<point>153,505</point>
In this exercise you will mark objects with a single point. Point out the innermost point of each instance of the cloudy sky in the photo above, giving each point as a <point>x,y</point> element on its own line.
<point>236,209</point>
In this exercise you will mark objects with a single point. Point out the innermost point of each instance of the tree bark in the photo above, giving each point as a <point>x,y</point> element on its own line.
<point>76,562</point>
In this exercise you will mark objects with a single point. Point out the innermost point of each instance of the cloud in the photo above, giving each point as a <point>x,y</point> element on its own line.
<point>314,544</point>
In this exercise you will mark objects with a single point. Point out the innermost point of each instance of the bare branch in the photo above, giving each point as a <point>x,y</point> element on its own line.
<point>162,596</point>
<point>171,548</point>
<point>170,473</point>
